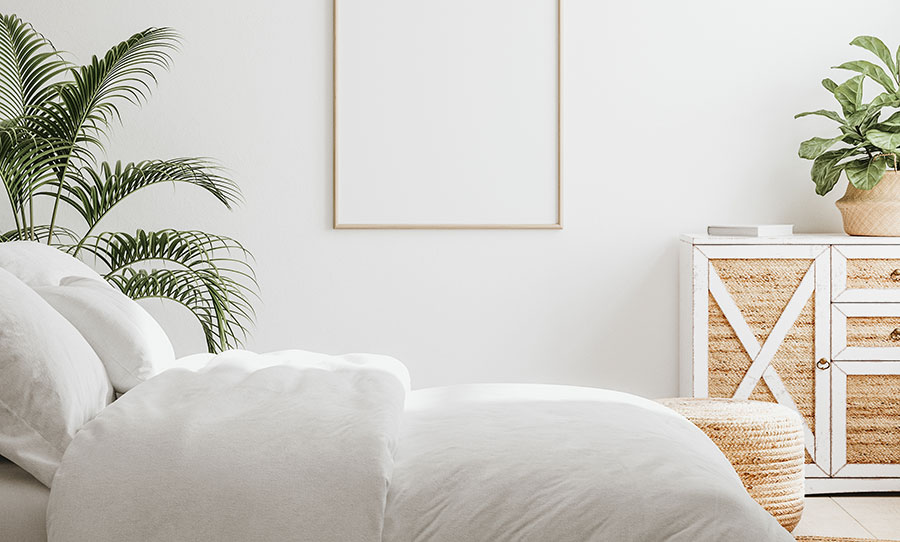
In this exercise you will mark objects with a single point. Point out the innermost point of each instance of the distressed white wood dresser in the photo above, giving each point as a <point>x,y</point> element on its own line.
<point>809,321</point>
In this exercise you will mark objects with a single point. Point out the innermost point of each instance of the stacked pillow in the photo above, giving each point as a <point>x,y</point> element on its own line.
<point>130,343</point>
<point>67,340</point>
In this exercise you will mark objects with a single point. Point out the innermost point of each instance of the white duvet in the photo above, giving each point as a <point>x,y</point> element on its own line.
<point>537,463</point>
<point>306,447</point>
<point>286,446</point>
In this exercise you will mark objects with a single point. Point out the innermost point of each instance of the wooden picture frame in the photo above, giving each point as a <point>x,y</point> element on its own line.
<point>359,202</point>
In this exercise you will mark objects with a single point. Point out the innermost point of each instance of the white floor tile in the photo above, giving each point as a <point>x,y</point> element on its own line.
<point>879,515</point>
<point>822,516</point>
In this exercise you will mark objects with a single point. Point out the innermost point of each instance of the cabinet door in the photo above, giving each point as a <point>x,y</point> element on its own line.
<point>761,320</point>
<point>866,420</point>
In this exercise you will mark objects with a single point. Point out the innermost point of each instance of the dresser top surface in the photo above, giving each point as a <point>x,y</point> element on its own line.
<point>796,239</point>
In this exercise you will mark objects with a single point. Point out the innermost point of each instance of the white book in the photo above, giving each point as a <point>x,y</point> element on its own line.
<point>752,230</point>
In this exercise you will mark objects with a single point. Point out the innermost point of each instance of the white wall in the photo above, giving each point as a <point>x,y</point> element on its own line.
<point>676,115</point>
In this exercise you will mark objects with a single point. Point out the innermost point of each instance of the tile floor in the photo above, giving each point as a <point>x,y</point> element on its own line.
<point>855,516</point>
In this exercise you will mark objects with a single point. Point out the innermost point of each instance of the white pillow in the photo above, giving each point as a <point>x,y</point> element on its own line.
<point>38,264</point>
<point>51,382</point>
<point>129,342</point>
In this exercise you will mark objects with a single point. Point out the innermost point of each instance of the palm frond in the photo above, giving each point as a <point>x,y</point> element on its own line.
<point>200,294</point>
<point>95,192</point>
<point>92,98</point>
<point>211,276</point>
<point>29,64</point>
<point>27,164</point>
<point>61,235</point>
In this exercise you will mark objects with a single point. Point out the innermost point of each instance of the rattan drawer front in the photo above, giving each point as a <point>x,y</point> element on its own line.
<point>868,274</point>
<point>865,331</point>
<point>873,332</point>
<point>873,273</point>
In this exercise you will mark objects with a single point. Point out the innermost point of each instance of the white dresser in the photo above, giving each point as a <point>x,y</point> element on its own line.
<point>809,321</point>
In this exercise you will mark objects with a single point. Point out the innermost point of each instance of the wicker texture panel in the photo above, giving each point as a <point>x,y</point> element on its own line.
<point>795,363</point>
<point>764,443</point>
<point>833,539</point>
<point>762,393</point>
<point>872,273</point>
<point>873,419</point>
<point>761,288</point>
<point>872,331</point>
<point>728,361</point>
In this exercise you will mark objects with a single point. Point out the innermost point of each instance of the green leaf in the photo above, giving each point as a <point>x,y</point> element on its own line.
<point>869,122</point>
<point>897,57</point>
<point>886,141</point>
<point>850,136</point>
<point>876,46</point>
<point>825,179</point>
<point>813,148</point>
<point>856,118</point>
<point>826,170</point>
<point>865,174</point>
<point>891,122</point>
<point>869,119</point>
<point>876,73</point>
<point>885,99</point>
<point>822,113</point>
<point>849,94</point>
<point>831,86</point>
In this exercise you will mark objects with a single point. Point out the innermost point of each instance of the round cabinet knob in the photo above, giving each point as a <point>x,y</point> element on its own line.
<point>895,275</point>
<point>823,364</point>
<point>895,335</point>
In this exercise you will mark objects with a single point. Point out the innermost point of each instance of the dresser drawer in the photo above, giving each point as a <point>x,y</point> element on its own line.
<point>866,274</point>
<point>865,331</point>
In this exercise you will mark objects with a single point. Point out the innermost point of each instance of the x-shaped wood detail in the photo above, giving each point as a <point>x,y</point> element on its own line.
<point>761,356</point>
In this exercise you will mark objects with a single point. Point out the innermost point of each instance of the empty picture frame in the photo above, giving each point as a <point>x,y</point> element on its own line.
<point>447,114</point>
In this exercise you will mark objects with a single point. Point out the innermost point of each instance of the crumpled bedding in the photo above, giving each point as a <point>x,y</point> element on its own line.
<point>307,447</point>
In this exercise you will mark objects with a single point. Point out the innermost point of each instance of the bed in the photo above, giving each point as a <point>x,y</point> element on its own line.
<point>23,505</point>
<point>512,462</point>
<point>120,441</point>
<point>472,463</point>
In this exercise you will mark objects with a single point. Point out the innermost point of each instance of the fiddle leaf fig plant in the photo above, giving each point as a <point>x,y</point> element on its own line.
<point>866,144</point>
<point>54,119</point>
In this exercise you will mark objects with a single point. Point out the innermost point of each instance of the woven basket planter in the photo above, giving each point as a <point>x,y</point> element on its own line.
<point>764,443</point>
<point>874,212</point>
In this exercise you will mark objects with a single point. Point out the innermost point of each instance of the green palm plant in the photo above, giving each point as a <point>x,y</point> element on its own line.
<point>54,116</point>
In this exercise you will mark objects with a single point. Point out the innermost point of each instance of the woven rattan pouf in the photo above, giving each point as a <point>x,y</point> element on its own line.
<point>764,443</point>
